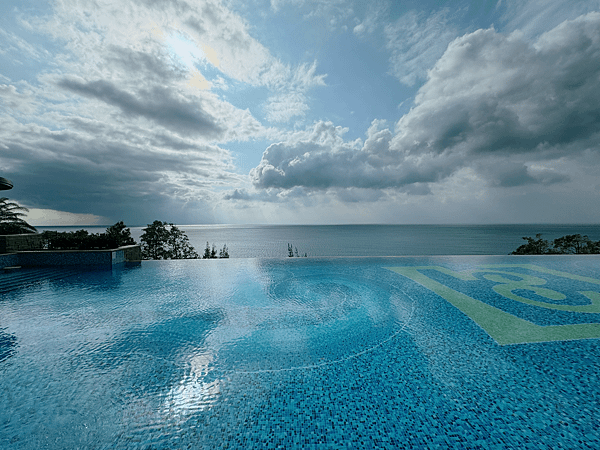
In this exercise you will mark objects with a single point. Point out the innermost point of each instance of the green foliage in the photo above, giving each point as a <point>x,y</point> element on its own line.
<point>537,246</point>
<point>293,251</point>
<point>115,236</point>
<point>121,234</point>
<point>576,244</point>
<point>224,253</point>
<point>211,253</point>
<point>10,218</point>
<point>570,244</point>
<point>160,242</point>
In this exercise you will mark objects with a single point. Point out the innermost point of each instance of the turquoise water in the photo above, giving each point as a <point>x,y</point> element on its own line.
<point>304,353</point>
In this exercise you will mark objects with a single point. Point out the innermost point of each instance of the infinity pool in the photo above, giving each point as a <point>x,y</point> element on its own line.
<point>430,352</point>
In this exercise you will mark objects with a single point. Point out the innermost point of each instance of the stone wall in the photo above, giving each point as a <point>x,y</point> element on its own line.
<point>53,258</point>
<point>9,260</point>
<point>132,253</point>
<point>11,243</point>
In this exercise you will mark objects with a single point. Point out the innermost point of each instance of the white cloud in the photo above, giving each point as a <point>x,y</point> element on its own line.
<point>115,124</point>
<point>490,93</point>
<point>416,42</point>
<point>163,41</point>
<point>282,107</point>
<point>375,16</point>
<point>534,17</point>
<point>490,97</point>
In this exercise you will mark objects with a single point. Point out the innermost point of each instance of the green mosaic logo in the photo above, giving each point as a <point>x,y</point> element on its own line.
<point>503,327</point>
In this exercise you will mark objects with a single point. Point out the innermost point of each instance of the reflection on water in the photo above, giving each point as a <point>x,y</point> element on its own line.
<point>267,353</point>
<point>193,393</point>
<point>8,345</point>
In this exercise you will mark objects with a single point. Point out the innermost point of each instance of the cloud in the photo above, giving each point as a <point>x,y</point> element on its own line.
<point>113,170</point>
<point>321,159</point>
<point>491,93</point>
<point>332,13</point>
<point>284,106</point>
<point>376,13</point>
<point>488,98</point>
<point>534,17</point>
<point>290,98</point>
<point>416,42</point>
<point>506,173</point>
<point>160,105</point>
<point>145,43</point>
<point>112,125</point>
<point>19,48</point>
<point>16,101</point>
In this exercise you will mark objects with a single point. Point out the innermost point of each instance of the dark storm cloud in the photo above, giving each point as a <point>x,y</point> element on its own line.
<point>158,104</point>
<point>110,178</point>
<point>506,174</point>
<point>489,96</point>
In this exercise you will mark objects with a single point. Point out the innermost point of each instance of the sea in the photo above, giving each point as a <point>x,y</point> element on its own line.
<point>271,241</point>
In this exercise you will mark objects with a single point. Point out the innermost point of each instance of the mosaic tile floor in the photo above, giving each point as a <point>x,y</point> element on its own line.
<point>436,352</point>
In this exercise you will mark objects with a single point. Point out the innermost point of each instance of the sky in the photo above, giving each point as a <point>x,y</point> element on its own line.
<point>301,111</point>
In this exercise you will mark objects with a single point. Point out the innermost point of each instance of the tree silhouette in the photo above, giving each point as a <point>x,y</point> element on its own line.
<point>224,253</point>
<point>120,234</point>
<point>158,242</point>
<point>575,243</point>
<point>570,244</point>
<point>537,246</point>
<point>10,218</point>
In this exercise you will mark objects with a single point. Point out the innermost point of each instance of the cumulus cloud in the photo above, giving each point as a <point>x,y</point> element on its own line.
<point>321,159</point>
<point>488,98</point>
<point>491,93</point>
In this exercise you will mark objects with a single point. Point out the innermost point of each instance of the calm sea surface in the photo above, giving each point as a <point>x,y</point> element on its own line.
<point>256,241</point>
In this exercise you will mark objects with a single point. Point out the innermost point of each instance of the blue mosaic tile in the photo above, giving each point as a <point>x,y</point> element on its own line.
<point>318,353</point>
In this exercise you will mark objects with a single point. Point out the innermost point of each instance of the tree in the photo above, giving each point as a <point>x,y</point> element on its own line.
<point>537,246</point>
<point>115,236</point>
<point>180,245</point>
<point>211,253</point>
<point>293,251</point>
<point>573,243</point>
<point>206,254</point>
<point>120,234</point>
<point>224,253</point>
<point>570,244</point>
<point>10,218</point>
<point>158,242</point>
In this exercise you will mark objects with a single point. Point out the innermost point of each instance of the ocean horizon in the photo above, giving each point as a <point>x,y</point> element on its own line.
<point>266,241</point>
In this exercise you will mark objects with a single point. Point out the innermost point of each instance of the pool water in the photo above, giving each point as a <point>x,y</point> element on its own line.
<point>423,352</point>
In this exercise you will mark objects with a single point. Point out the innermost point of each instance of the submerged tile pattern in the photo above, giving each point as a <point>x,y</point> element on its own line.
<point>515,282</point>
<point>340,354</point>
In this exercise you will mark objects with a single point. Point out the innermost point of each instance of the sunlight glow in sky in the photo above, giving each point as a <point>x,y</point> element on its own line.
<point>301,111</point>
